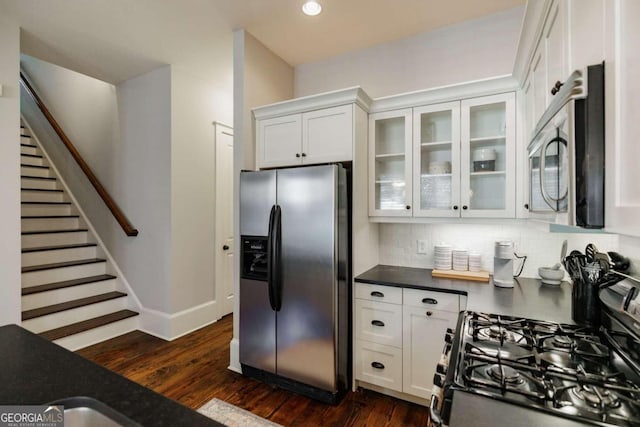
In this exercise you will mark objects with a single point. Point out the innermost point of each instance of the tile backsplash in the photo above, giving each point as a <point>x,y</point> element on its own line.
<point>399,243</point>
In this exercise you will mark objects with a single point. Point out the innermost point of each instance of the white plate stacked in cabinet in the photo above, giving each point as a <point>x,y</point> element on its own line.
<point>399,337</point>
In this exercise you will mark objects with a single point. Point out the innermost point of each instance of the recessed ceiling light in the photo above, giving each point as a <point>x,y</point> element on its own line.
<point>311,8</point>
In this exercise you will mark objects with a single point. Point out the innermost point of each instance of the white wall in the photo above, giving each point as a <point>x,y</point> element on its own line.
<point>398,243</point>
<point>85,107</point>
<point>9,172</point>
<point>195,104</point>
<point>267,79</point>
<point>143,188</point>
<point>472,50</point>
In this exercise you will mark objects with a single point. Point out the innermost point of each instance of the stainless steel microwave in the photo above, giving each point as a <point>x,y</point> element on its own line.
<point>567,152</point>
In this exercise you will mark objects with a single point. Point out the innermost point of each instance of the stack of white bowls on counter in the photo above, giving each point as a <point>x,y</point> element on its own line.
<point>475,262</point>
<point>460,259</point>
<point>442,257</point>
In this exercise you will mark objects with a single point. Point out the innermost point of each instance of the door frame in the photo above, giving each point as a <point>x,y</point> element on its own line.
<point>223,301</point>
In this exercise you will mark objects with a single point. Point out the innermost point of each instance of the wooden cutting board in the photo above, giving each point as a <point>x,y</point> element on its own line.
<point>477,276</point>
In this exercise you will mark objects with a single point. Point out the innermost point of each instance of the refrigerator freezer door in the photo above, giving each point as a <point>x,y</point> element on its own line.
<point>257,196</point>
<point>306,332</point>
<point>257,318</point>
<point>257,326</point>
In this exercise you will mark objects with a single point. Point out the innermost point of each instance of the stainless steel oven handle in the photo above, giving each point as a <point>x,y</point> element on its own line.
<point>434,415</point>
<point>552,202</point>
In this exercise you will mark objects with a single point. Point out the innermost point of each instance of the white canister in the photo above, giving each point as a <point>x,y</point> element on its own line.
<point>475,262</point>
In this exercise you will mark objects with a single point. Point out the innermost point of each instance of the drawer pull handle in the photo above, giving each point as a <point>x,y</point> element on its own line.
<point>377,323</point>
<point>429,313</point>
<point>377,365</point>
<point>377,294</point>
<point>429,301</point>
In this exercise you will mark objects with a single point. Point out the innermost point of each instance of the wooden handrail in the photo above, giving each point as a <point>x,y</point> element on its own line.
<point>129,229</point>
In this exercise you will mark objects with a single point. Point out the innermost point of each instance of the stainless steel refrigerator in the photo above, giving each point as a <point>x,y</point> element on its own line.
<point>294,270</point>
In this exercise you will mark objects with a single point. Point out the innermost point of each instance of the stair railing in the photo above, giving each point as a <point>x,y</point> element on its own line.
<point>128,228</point>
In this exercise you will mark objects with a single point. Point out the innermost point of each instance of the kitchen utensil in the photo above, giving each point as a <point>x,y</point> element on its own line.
<point>590,252</point>
<point>603,260</point>
<point>619,262</point>
<point>563,251</point>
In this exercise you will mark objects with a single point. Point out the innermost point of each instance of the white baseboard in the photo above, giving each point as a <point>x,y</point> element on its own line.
<point>172,326</point>
<point>234,356</point>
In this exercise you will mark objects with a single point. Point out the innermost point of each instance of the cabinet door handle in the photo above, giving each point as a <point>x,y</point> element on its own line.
<point>526,206</point>
<point>429,300</point>
<point>297,154</point>
<point>408,207</point>
<point>304,154</point>
<point>465,207</point>
<point>225,247</point>
<point>377,323</point>
<point>429,313</point>
<point>377,365</point>
<point>455,207</point>
<point>377,294</point>
<point>556,88</point>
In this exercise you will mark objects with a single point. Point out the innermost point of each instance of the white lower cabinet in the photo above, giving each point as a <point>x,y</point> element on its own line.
<point>423,339</point>
<point>398,343</point>
<point>379,322</point>
<point>380,365</point>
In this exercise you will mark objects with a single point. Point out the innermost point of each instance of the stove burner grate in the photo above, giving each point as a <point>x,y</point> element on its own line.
<point>505,374</point>
<point>596,397</point>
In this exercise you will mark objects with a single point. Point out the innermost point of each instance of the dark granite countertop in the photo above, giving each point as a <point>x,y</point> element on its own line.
<point>34,371</point>
<point>528,298</point>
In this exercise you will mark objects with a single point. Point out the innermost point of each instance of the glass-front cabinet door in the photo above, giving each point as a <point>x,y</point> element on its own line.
<point>390,191</point>
<point>436,160</point>
<point>487,151</point>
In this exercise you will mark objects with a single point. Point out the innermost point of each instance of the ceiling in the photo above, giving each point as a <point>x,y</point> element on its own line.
<point>347,25</point>
<point>115,40</point>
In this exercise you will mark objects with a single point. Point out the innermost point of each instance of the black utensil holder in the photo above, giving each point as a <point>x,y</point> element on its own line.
<point>585,306</point>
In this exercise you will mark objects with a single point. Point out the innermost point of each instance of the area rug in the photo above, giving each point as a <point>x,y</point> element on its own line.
<point>232,416</point>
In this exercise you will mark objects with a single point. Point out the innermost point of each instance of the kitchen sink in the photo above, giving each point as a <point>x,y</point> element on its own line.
<point>81,411</point>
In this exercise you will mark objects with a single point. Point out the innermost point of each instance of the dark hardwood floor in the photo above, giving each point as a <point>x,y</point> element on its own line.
<point>193,370</point>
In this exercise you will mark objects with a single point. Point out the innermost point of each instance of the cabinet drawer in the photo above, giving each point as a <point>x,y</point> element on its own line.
<point>379,364</point>
<point>378,293</point>
<point>379,322</point>
<point>431,300</point>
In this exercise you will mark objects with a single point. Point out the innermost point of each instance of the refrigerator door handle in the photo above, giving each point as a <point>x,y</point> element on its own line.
<point>271,255</point>
<point>277,262</point>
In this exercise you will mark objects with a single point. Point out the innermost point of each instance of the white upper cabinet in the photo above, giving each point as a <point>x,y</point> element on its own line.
<point>555,39</point>
<point>549,63</point>
<point>487,150</point>
<point>447,160</point>
<point>622,88</point>
<point>310,130</point>
<point>390,167</point>
<point>436,160</point>
<point>278,141</point>
<point>327,135</point>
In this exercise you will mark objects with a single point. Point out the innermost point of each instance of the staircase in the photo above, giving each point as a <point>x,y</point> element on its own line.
<point>68,295</point>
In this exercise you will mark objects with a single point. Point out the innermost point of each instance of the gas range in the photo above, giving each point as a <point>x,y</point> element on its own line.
<point>576,373</point>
